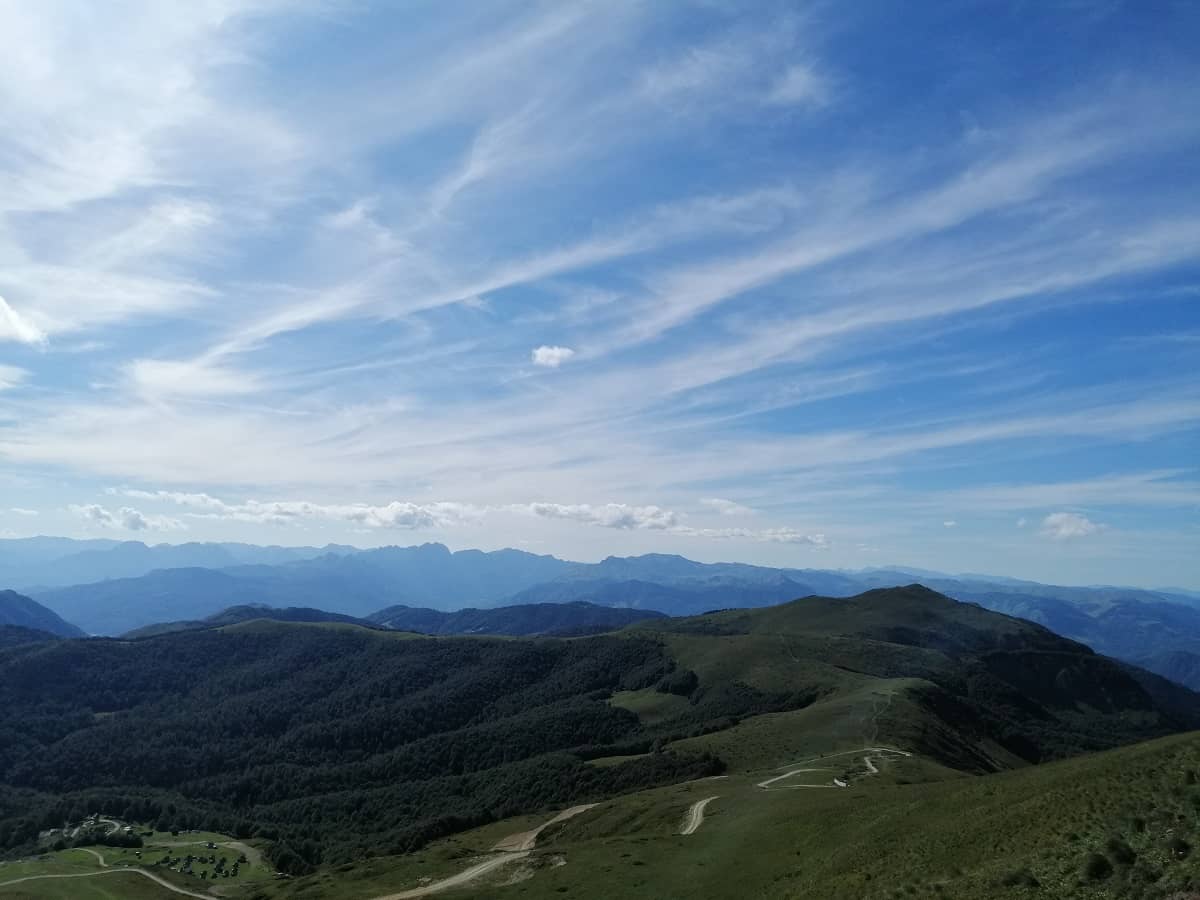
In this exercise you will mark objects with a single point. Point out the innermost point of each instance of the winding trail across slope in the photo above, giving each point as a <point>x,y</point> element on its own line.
<point>463,877</point>
<point>695,815</point>
<point>872,754</point>
<point>766,785</point>
<point>876,712</point>
<point>110,871</point>
<point>511,849</point>
<point>526,840</point>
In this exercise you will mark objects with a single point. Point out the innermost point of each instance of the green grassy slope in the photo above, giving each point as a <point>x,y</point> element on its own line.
<point>976,690</point>
<point>993,836</point>
<point>1121,825</point>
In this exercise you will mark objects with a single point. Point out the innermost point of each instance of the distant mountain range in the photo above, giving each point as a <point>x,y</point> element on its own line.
<point>356,584</point>
<point>46,562</point>
<point>108,587</point>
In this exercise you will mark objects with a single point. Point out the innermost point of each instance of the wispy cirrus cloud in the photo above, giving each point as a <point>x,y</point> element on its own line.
<point>799,84</point>
<point>14,327</point>
<point>718,254</point>
<point>726,507</point>
<point>608,515</point>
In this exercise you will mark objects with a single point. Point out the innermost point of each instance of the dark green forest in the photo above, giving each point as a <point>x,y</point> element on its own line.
<point>330,741</point>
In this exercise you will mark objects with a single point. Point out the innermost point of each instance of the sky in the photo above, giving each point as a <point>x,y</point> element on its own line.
<point>806,284</point>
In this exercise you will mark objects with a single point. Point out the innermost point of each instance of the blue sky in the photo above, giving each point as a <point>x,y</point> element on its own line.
<point>831,285</point>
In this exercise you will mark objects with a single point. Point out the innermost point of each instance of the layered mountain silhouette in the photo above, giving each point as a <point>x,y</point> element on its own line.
<point>124,586</point>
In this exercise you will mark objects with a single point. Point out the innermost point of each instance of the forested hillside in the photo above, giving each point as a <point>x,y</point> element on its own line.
<point>526,619</point>
<point>249,613</point>
<point>328,739</point>
<point>1007,688</point>
<point>16,636</point>
<point>19,610</point>
<point>332,740</point>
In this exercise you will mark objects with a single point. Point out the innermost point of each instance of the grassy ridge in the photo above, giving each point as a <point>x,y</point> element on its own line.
<point>1036,832</point>
<point>976,690</point>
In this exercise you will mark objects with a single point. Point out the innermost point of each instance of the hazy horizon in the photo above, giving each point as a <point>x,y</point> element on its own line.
<point>915,570</point>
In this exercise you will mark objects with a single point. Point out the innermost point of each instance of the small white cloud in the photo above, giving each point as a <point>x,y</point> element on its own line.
<point>22,511</point>
<point>126,518</point>
<point>93,512</point>
<point>14,327</point>
<point>132,519</point>
<point>1062,526</point>
<point>551,357</point>
<point>791,536</point>
<point>726,507</point>
<point>1022,522</point>
<point>608,515</point>
<point>949,523</point>
<point>11,376</point>
<point>799,85</point>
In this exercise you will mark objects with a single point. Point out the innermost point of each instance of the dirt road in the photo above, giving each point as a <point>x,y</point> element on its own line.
<point>526,840</point>
<point>511,849</point>
<point>463,877</point>
<point>766,785</point>
<point>873,753</point>
<point>162,881</point>
<point>695,815</point>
